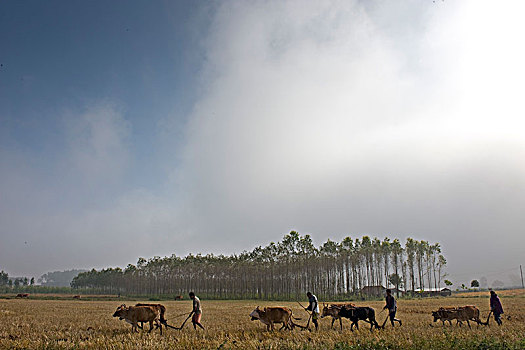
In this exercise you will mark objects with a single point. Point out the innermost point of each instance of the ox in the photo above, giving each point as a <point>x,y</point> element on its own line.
<point>465,313</point>
<point>332,310</point>
<point>136,314</point>
<point>444,314</point>
<point>160,308</point>
<point>355,314</point>
<point>22,295</point>
<point>271,315</point>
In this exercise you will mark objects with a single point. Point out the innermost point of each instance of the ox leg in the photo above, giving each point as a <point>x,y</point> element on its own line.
<point>341,323</point>
<point>376,324</point>
<point>332,326</point>
<point>469,324</point>
<point>372,324</point>
<point>150,326</point>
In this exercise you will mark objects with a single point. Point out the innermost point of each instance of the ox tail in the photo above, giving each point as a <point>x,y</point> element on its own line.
<point>295,318</point>
<point>372,318</point>
<point>477,318</point>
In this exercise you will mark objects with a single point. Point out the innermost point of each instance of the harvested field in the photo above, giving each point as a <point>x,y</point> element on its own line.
<point>66,324</point>
<point>507,293</point>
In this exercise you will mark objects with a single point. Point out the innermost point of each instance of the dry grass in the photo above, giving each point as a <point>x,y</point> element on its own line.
<point>50,324</point>
<point>501,293</point>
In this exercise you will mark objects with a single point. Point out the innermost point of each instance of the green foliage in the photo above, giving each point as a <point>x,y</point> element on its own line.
<point>474,284</point>
<point>395,279</point>
<point>40,289</point>
<point>59,278</point>
<point>4,278</point>
<point>284,270</point>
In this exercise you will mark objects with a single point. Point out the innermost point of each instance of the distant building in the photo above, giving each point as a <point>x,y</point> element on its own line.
<point>433,292</point>
<point>445,292</point>
<point>373,291</point>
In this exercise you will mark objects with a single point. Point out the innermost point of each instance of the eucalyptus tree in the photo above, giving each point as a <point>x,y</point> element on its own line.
<point>386,249</point>
<point>285,269</point>
<point>396,253</point>
<point>411,248</point>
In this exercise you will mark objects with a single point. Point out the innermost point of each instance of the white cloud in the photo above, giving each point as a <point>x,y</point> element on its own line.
<point>97,145</point>
<point>75,207</point>
<point>332,118</point>
<point>317,117</point>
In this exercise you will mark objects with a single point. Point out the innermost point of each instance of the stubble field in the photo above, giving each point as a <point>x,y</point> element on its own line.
<point>68,324</point>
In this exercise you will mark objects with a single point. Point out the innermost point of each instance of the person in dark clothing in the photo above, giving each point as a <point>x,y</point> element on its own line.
<point>496,307</point>
<point>391,305</point>
<point>313,306</point>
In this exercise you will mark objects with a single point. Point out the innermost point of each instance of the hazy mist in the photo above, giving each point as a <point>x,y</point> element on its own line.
<point>337,118</point>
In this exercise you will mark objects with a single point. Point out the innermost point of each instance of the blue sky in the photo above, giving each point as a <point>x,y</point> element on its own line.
<point>60,56</point>
<point>134,128</point>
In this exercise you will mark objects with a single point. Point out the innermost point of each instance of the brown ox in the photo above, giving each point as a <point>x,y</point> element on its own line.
<point>136,314</point>
<point>22,295</point>
<point>271,315</point>
<point>161,308</point>
<point>444,314</point>
<point>76,297</point>
<point>332,310</point>
<point>179,297</point>
<point>464,313</point>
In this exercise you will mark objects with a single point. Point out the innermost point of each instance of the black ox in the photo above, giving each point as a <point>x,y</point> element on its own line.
<point>355,314</point>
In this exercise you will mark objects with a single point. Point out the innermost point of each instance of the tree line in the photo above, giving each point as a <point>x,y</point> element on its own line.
<point>283,270</point>
<point>15,282</point>
<point>59,278</point>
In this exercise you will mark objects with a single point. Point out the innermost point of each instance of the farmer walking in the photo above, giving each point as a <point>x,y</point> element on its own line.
<point>496,307</point>
<point>197,311</point>
<point>313,306</point>
<point>391,305</point>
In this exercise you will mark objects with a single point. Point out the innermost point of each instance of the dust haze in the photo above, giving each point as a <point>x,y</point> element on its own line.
<point>335,119</point>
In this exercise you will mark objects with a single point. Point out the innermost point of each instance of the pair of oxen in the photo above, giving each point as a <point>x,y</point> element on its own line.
<point>460,314</point>
<point>280,314</point>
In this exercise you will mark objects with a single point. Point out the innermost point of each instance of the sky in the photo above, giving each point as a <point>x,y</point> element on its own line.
<point>137,129</point>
